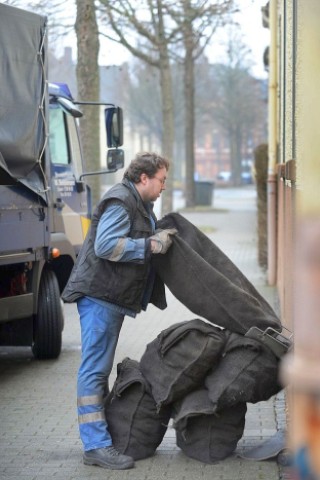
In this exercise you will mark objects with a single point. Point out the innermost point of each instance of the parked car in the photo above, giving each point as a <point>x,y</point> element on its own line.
<point>224,178</point>
<point>246,177</point>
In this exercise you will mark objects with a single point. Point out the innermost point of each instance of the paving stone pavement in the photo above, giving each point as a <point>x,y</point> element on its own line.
<point>38,423</point>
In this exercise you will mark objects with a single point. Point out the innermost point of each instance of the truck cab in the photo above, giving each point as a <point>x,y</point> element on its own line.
<point>70,194</point>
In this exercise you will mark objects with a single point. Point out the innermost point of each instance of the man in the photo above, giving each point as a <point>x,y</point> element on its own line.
<point>113,278</point>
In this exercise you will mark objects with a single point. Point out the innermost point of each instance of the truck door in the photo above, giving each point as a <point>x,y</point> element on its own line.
<point>70,197</point>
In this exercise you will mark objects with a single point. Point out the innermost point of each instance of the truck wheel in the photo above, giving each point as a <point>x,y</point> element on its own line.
<point>48,323</point>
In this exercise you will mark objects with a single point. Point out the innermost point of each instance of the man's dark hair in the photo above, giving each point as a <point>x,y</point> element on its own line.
<point>145,162</point>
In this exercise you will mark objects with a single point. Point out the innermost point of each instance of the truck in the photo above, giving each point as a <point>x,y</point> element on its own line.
<point>45,201</point>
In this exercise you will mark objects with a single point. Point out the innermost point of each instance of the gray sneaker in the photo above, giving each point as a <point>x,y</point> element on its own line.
<point>108,457</point>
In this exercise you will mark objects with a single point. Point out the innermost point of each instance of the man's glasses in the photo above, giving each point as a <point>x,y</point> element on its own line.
<point>161,180</point>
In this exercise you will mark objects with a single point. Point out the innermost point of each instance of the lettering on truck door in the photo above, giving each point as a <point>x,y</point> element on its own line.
<point>70,212</point>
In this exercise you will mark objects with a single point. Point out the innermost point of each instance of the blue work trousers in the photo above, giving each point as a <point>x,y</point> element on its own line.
<point>100,328</point>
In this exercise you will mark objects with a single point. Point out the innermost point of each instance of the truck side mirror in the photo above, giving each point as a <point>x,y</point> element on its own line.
<point>115,159</point>
<point>114,126</point>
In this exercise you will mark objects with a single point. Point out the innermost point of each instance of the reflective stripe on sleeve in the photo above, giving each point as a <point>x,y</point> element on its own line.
<point>118,250</point>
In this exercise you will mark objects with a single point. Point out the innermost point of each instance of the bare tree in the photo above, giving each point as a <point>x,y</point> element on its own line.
<point>142,97</point>
<point>147,24</point>
<point>197,20</point>
<point>236,100</point>
<point>89,87</point>
<point>180,30</point>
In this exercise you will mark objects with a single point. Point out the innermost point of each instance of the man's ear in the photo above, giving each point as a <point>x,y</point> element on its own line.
<point>143,178</point>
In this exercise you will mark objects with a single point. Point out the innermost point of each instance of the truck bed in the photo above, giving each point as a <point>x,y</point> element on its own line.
<point>24,225</point>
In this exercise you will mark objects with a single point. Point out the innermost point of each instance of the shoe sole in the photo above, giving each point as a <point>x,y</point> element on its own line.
<point>109,466</point>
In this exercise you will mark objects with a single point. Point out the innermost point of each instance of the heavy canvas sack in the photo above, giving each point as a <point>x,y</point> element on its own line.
<point>136,427</point>
<point>203,434</point>
<point>247,372</point>
<point>206,281</point>
<point>177,361</point>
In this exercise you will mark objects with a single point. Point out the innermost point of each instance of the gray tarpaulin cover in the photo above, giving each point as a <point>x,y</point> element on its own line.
<point>22,84</point>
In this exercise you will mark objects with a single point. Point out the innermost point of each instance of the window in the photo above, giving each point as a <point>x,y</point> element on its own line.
<point>58,143</point>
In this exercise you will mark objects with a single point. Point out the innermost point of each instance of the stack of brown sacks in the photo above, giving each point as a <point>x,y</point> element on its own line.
<point>197,373</point>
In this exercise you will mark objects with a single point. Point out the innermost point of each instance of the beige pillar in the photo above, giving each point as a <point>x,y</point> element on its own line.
<point>272,144</point>
<point>302,370</point>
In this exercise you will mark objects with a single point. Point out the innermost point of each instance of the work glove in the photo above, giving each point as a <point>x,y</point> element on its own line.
<point>161,240</point>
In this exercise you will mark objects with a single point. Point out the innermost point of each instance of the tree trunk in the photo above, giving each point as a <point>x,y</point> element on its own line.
<point>167,111</point>
<point>89,89</point>
<point>261,177</point>
<point>189,110</point>
<point>236,154</point>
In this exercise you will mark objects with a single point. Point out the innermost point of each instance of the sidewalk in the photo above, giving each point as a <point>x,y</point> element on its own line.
<point>39,434</point>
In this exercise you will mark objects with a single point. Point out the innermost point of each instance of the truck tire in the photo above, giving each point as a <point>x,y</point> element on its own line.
<point>48,323</point>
